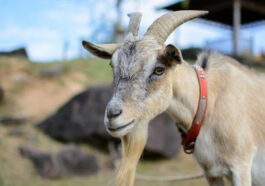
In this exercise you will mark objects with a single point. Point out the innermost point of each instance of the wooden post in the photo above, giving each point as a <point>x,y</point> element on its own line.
<point>236,28</point>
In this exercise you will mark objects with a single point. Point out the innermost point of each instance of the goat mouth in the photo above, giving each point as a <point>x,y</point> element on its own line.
<point>121,127</point>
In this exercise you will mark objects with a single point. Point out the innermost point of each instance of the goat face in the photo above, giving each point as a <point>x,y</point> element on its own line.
<point>142,84</point>
<point>142,71</point>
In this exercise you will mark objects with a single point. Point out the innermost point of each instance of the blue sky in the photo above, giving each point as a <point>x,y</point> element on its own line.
<point>43,26</point>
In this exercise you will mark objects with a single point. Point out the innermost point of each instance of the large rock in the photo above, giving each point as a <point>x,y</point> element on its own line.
<point>70,161</point>
<point>164,138</point>
<point>81,120</point>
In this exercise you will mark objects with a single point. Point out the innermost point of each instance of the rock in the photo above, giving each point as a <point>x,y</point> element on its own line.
<point>51,71</point>
<point>16,133</point>
<point>73,161</point>
<point>1,94</point>
<point>19,78</point>
<point>13,120</point>
<point>43,162</point>
<point>81,120</point>
<point>70,161</point>
<point>163,138</point>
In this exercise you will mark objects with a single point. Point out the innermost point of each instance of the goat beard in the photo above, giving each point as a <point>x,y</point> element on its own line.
<point>132,148</point>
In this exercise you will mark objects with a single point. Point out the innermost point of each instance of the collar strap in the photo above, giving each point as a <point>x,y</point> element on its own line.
<point>189,139</point>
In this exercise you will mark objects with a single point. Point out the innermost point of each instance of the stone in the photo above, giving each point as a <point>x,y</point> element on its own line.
<point>15,120</point>
<point>1,94</point>
<point>70,161</point>
<point>51,71</point>
<point>16,133</point>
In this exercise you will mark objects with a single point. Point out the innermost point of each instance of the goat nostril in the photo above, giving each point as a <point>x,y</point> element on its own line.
<point>112,113</point>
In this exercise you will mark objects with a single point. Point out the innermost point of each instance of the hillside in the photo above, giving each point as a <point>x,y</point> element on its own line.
<point>35,91</point>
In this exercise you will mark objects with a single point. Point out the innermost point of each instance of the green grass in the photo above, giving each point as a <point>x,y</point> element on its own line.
<point>96,70</point>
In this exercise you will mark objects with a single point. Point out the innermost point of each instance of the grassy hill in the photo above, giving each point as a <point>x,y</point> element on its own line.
<point>31,93</point>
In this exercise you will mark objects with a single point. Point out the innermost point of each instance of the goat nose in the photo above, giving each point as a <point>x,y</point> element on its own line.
<point>113,112</point>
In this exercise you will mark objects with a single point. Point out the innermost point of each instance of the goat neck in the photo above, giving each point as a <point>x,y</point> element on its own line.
<point>185,96</point>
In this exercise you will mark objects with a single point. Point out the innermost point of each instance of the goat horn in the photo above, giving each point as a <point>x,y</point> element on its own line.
<point>164,25</point>
<point>135,19</point>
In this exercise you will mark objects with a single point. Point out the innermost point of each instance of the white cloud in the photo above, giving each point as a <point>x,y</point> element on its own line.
<point>45,51</point>
<point>27,33</point>
<point>76,15</point>
<point>41,42</point>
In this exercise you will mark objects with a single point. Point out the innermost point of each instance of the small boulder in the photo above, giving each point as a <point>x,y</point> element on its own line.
<point>73,161</point>
<point>15,120</point>
<point>70,161</point>
<point>51,71</point>
<point>43,162</point>
<point>16,133</point>
<point>1,94</point>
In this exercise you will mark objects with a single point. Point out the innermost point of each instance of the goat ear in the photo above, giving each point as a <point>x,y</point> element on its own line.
<point>173,54</point>
<point>102,50</point>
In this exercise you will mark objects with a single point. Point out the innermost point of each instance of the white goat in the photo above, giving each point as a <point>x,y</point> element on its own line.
<point>150,78</point>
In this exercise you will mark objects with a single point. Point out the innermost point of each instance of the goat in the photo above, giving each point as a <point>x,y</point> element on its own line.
<point>150,78</point>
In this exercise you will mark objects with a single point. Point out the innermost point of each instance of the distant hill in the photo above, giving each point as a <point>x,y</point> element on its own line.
<point>20,52</point>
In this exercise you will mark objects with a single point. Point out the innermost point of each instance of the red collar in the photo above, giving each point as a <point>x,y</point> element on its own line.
<point>189,139</point>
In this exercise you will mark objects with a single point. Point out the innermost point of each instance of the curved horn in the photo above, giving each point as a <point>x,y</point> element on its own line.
<point>135,19</point>
<point>164,25</point>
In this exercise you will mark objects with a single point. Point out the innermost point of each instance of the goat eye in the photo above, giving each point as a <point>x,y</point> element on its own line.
<point>159,71</point>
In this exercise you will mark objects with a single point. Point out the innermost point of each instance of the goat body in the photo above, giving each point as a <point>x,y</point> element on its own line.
<point>150,78</point>
<point>231,142</point>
